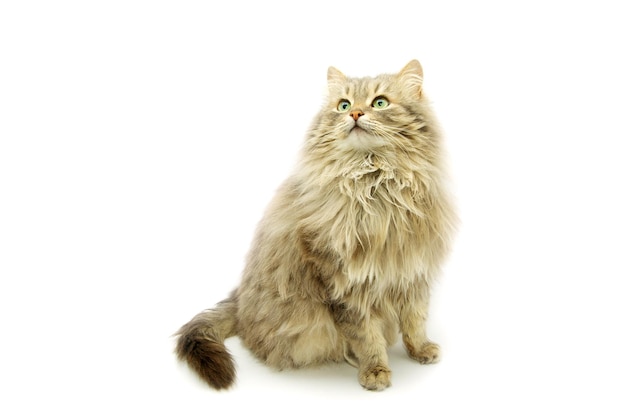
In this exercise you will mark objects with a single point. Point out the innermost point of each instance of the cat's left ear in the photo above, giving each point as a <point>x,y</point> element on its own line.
<point>412,76</point>
<point>335,76</point>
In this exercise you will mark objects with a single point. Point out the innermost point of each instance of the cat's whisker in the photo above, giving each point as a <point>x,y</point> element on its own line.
<point>384,133</point>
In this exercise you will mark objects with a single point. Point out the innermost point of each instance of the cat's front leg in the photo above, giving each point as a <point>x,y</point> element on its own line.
<point>413,316</point>
<point>366,344</point>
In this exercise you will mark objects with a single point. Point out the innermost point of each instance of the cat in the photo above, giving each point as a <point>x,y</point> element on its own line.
<point>344,258</point>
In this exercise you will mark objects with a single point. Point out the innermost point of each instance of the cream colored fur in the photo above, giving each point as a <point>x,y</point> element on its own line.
<point>344,258</point>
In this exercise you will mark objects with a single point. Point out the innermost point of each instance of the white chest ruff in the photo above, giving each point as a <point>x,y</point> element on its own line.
<point>384,254</point>
<point>383,235</point>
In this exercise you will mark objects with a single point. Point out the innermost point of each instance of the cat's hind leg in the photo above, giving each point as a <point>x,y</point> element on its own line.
<point>296,333</point>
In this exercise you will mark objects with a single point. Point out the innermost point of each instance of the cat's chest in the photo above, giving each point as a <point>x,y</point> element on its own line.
<point>376,228</point>
<point>379,219</point>
<point>380,230</point>
<point>384,252</point>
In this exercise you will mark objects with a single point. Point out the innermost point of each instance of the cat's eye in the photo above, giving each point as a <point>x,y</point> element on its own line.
<point>343,106</point>
<point>380,103</point>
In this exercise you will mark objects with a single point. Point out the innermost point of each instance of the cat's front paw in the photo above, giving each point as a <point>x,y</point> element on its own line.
<point>428,353</point>
<point>376,378</point>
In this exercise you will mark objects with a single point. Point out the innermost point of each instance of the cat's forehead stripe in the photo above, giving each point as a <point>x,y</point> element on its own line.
<point>364,88</point>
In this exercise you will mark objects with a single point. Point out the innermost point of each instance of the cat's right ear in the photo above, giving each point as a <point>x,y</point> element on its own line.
<point>412,76</point>
<point>335,76</point>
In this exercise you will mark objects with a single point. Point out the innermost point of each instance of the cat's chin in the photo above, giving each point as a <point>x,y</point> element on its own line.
<point>360,139</point>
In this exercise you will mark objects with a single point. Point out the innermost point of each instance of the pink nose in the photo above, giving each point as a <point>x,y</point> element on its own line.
<point>356,114</point>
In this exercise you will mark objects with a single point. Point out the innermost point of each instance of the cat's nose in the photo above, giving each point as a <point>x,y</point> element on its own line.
<point>356,114</point>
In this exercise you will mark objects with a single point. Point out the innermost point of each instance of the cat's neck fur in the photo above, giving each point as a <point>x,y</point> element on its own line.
<point>376,208</point>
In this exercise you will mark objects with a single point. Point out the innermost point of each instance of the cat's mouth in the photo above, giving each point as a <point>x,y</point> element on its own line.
<point>358,129</point>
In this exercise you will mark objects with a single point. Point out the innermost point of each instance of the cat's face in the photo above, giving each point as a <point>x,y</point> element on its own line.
<point>370,113</point>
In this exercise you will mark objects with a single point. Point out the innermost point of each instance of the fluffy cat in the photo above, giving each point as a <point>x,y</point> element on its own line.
<point>344,258</point>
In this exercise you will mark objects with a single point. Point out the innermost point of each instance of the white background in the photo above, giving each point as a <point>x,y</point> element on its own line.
<point>141,140</point>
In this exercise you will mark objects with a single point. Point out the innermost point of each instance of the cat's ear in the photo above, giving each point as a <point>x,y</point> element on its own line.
<point>335,76</point>
<point>411,76</point>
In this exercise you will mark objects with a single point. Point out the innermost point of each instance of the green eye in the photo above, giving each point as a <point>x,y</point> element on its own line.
<point>380,103</point>
<point>343,106</point>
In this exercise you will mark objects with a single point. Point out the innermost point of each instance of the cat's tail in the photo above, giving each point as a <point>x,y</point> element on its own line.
<point>201,344</point>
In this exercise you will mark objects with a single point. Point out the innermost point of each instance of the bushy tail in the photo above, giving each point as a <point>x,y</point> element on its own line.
<point>201,344</point>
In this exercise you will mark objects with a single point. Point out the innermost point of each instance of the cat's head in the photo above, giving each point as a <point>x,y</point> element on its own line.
<point>371,113</point>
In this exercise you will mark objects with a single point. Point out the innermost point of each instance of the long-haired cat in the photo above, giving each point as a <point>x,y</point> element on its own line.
<point>345,256</point>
